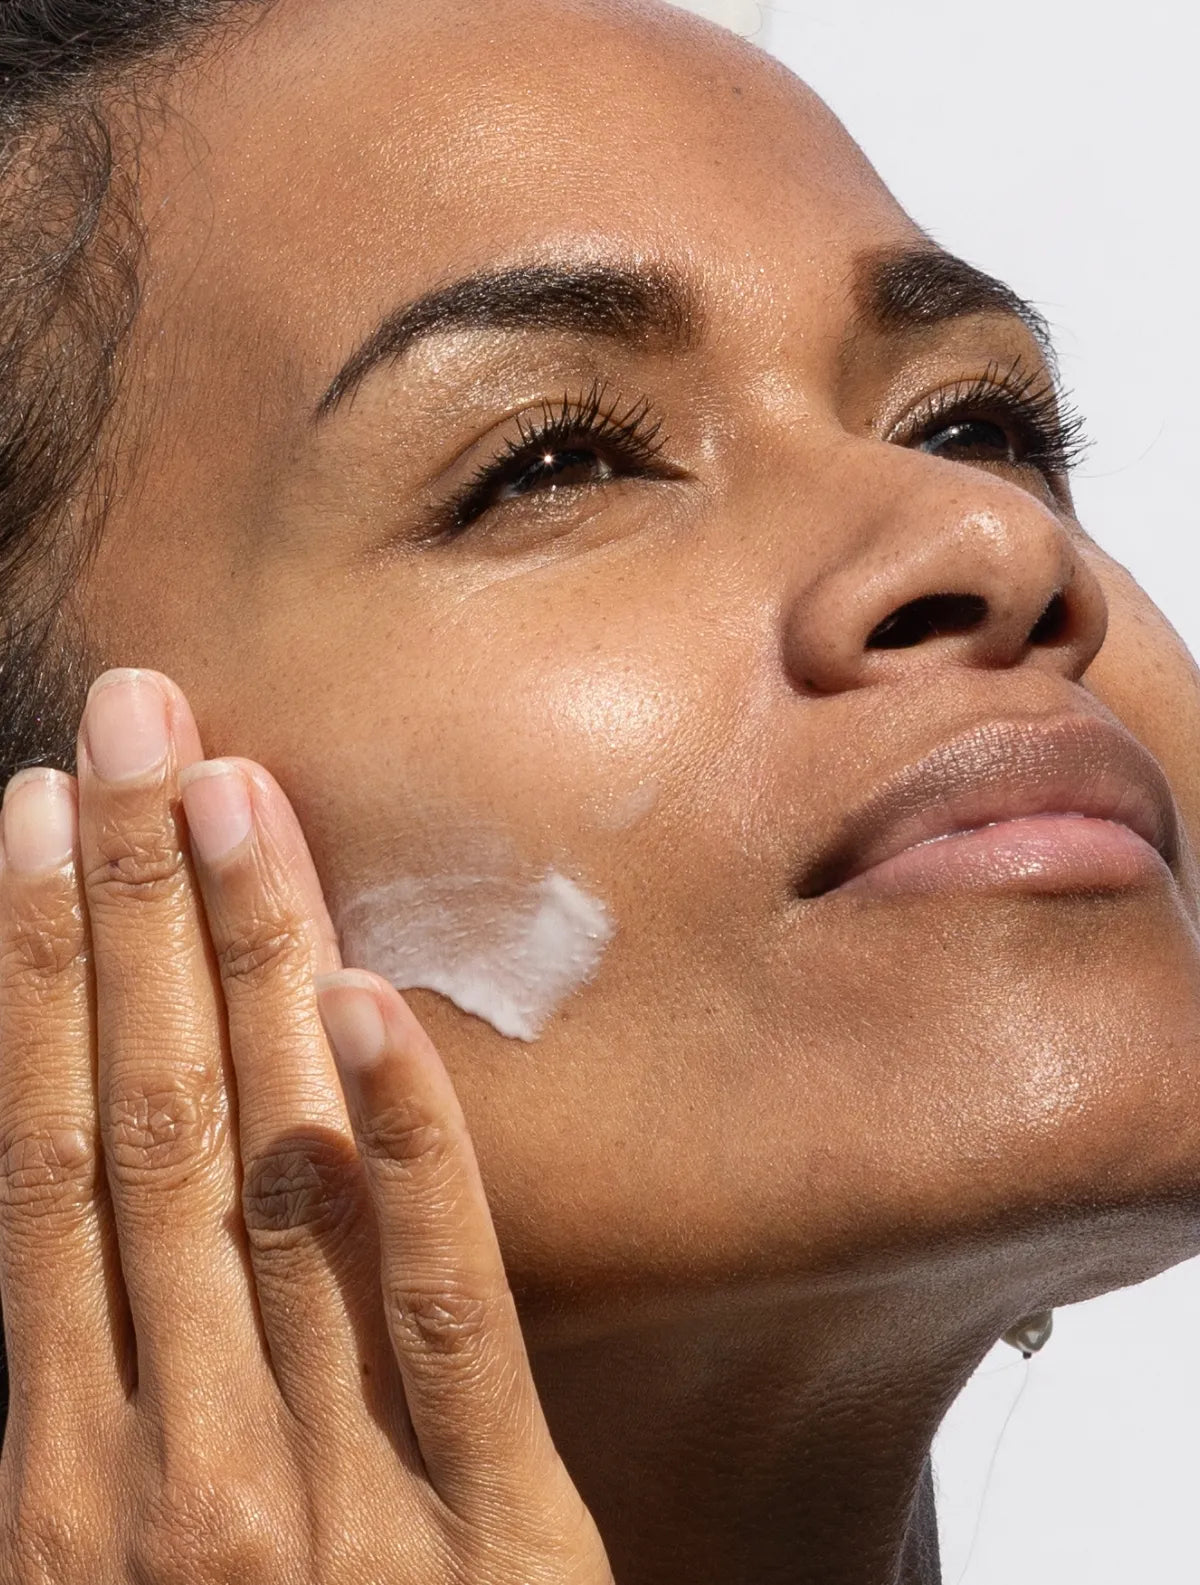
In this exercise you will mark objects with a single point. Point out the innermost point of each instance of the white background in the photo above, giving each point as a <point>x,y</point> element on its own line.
<point>1054,142</point>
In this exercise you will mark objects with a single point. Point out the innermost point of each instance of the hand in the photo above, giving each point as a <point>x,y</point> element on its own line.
<point>257,1321</point>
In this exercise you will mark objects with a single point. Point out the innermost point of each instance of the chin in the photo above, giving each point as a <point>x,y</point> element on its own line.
<point>1088,1140</point>
<point>1012,1080</point>
<point>989,1094</point>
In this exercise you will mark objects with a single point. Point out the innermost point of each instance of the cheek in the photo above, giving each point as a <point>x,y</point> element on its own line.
<point>565,736</point>
<point>502,947</point>
<point>1146,676</point>
<point>608,729</point>
<point>488,834</point>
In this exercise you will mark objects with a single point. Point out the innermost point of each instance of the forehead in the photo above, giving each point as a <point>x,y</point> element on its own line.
<point>342,157</point>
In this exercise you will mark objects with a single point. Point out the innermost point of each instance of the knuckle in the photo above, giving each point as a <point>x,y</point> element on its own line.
<point>209,1531</point>
<point>432,1553</point>
<point>300,1188</point>
<point>403,1137</point>
<point>161,1126</point>
<point>263,950</point>
<point>443,1321</point>
<point>47,1166</point>
<point>45,1542</point>
<point>140,864</point>
<point>44,941</point>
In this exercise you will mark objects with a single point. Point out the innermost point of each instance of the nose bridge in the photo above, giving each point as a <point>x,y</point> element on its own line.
<point>939,563</point>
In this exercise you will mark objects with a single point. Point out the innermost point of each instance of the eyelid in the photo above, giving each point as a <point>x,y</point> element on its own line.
<point>1018,392</point>
<point>597,416</point>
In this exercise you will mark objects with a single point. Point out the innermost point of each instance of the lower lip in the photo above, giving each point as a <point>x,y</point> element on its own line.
<point>1038,853</point>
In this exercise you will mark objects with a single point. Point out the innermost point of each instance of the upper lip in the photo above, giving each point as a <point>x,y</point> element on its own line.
<point>1004,770</point>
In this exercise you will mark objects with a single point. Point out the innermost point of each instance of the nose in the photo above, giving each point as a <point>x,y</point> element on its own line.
<point>939,563</point>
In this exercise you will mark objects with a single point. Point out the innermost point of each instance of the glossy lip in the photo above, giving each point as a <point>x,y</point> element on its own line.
<point>1006,770</point>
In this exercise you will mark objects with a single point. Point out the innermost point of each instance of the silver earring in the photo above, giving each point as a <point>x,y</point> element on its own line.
<point>1032,1333</point>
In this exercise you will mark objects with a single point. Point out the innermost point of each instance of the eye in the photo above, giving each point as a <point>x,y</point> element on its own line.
<point>568,446</point>
<point>554,470</point>
<point>1016,416</point>
<point>973,439</point>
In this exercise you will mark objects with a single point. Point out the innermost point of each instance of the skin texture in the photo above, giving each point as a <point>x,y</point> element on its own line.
<point>773,1183</point>
<point>294,1354</point>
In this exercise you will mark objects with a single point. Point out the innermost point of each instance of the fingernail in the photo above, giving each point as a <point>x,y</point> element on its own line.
<point>353,1020</point>
<point>39,822</point>
<point>216,801</point>
<point>125,726</point>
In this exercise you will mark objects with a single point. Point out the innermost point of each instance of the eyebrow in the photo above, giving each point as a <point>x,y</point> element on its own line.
<point>900,290</point>
<point>896,290</point>
<point>630,305</point>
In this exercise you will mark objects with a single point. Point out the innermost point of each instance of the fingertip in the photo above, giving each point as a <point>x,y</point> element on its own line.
<point>260,777</point>
<point>272,806</point>
<point>41,821</point>
<point>216,802</point>
<point>185,734</point>
<point>278,821</point>
<point>351,1011</point>
<point>359,979</point>
<point>398,1030</point>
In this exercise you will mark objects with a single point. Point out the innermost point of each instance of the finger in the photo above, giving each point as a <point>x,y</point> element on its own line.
<point>66,1321</point>
<point>450,1312</point>
<point>164,1101</point>
<point>304,1198</point>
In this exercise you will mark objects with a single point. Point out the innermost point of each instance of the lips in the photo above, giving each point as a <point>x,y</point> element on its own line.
<point>1000,771</point>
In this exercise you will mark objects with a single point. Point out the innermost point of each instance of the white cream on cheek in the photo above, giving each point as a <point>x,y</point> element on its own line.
<point>509,951</point>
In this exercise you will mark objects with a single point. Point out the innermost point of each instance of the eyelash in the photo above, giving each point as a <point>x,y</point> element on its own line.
<point>633,435</point>
<point>1049,433</point>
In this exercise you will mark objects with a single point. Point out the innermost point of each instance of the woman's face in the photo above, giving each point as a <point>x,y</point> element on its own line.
<point>651,697</point>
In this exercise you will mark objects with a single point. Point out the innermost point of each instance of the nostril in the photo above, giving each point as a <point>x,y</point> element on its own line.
<point>927,617</point>
<point>1052,623</point>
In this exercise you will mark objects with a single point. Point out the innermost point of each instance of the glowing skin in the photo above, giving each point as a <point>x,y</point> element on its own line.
<point>774,1181</point>
<point>508,951</point>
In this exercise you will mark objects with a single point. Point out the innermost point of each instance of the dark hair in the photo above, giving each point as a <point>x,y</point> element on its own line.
<point>69,246</point>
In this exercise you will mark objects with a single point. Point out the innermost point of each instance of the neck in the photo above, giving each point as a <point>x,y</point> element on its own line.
<point>768,1442</point>
<point>778,1431</point>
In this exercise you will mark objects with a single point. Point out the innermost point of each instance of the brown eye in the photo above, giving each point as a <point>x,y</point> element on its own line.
<point>970,440</point>
<point>1016,418</point>
<point>556,469</point>
<point>574,445</point>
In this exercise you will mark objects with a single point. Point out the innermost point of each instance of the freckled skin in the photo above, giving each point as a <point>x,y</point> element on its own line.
<point>783,1170</point>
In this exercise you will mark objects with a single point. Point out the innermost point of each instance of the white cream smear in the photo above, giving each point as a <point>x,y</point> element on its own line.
<point>508,951</point>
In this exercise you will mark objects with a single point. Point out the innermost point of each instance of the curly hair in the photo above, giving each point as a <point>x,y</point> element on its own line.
<point>69,250</point>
